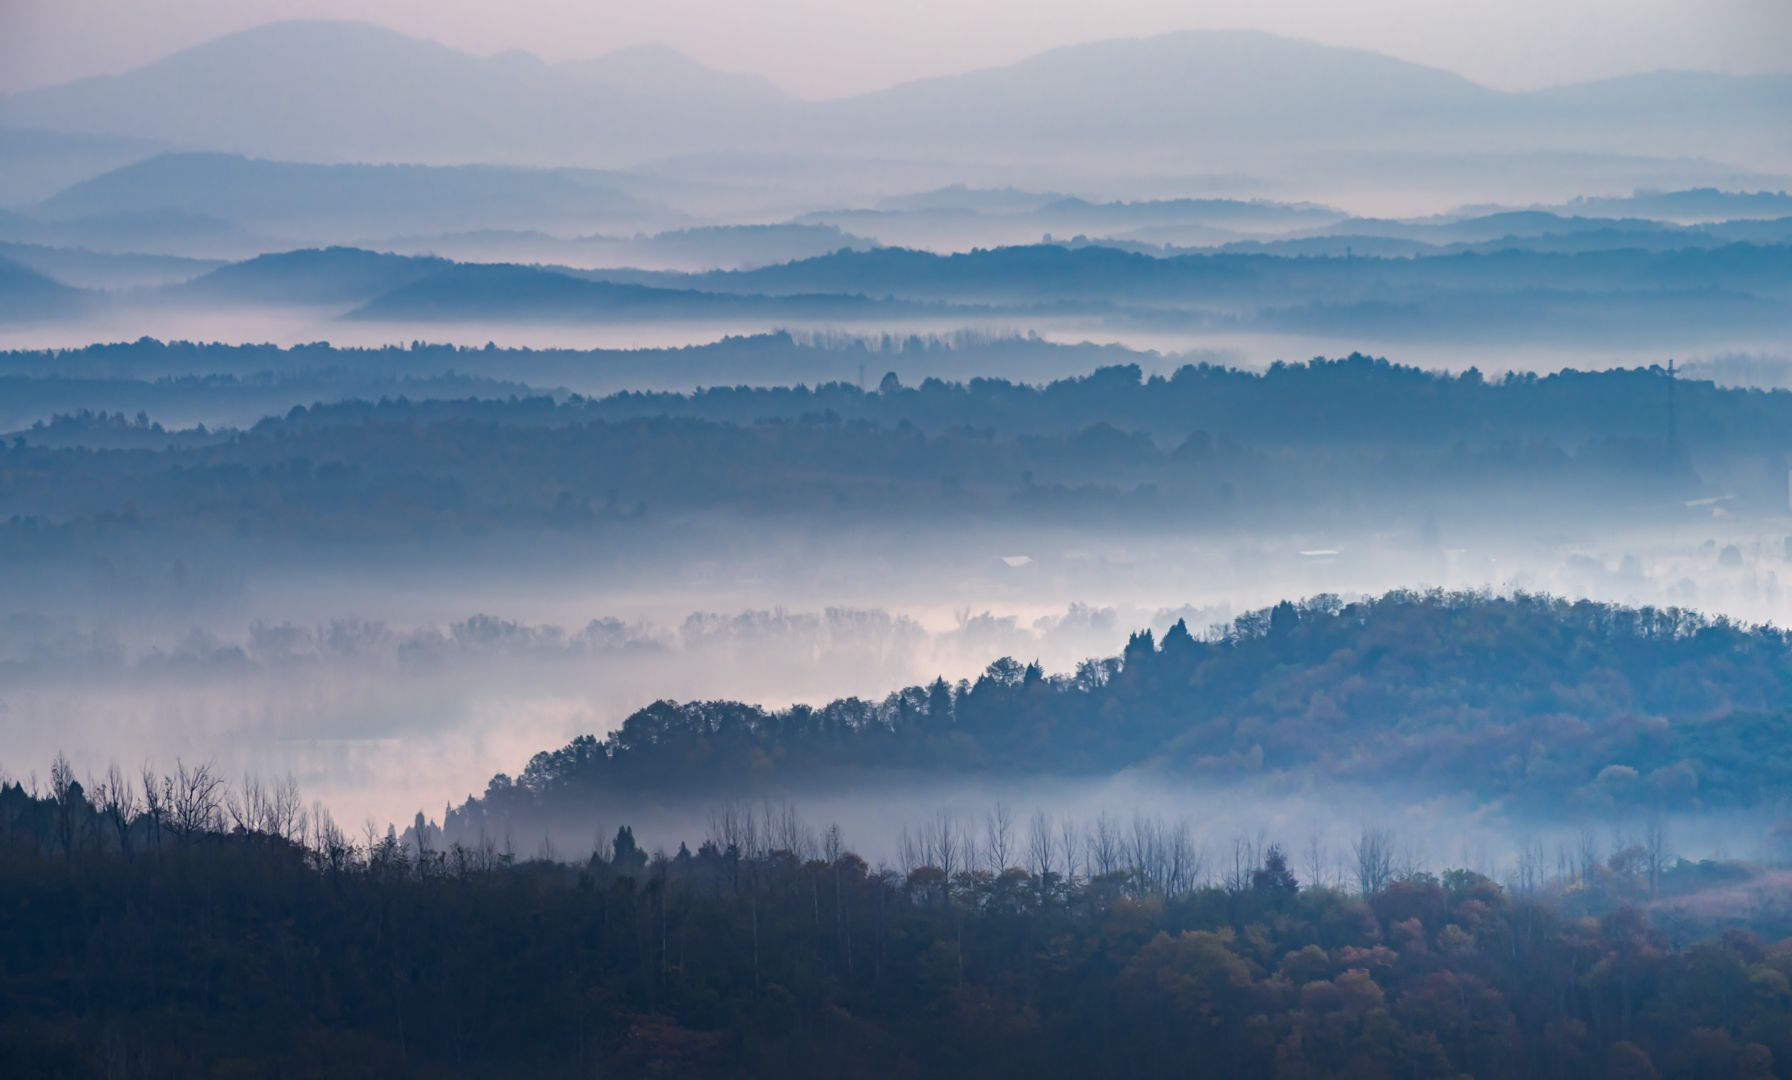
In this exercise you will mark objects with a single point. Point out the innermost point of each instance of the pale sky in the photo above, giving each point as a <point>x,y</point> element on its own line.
<point>822,48</point>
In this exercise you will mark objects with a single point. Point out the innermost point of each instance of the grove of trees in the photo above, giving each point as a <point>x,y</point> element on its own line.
<point>1538,704</point>
<point>173,925</point>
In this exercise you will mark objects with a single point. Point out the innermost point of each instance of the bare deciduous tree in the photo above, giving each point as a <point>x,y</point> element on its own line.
<point>1143,854</point>
<point>1317,861</point>
<point>1187,862</point>
<point>908,852</point>
<point>941,844</point>
<point>1586,855</point>
<point>1532,866</point>
<point>69,799</point>
<point>117,803</point>
<point>1070,847</point>
<point>1104,846</point>
<point>335,851</point>
<point>1373,854</point>
<point>245,807</point>
<point>1655,851</point>
<point>155,803</point>
<point>998,837</point>
<point>1246,857</point>
<point>1040,846</point>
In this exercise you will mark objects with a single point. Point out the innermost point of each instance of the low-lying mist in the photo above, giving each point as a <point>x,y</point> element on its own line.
<point>1162,349</point>
<point>1211,831</point>
<point>386,693</point>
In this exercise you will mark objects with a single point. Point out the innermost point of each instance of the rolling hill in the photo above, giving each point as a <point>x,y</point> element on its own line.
<point>316,276</point>
<point>287,197</point>
<point>498,292</point>
<point>26,295</point>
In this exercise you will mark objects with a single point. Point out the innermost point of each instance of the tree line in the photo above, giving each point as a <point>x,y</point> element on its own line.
<point>1537,704</point>
<point>399,471</point>
<point>173,924</point>
<point>1356,399</point>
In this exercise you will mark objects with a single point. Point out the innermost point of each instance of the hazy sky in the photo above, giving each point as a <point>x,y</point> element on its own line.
<point>821,48</point>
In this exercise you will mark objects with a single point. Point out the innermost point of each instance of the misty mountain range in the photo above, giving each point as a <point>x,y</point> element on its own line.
<point>370,197</point>
<point>421,288</point>
<point>640,186</point>
<point>215,206</point>
<point>1702,292</point>
<point>350,92</point>
<point>25,293</point>
<point>868,427</point>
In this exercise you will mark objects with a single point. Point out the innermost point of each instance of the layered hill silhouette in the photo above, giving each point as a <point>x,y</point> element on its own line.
<point>35,164</point>
<point>1234,86</point>
<point>107,270</point>
<point>1504,291</point>
<point>337,91</point>
<point>334,91</point>
<point>289,196</point>
<point>499,292</point>
<point>26,294</point>
<point>385,287</point>
<point>1052,272</point>
<point>320,276</point>
<point>696,248</point>
<point>1689,206</point>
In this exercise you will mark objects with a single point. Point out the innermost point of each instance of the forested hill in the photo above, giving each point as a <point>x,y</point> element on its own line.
<point>1354,399</point>
<point>1353,440</point>
<point>1540,702</point>
<point>1047,271</point>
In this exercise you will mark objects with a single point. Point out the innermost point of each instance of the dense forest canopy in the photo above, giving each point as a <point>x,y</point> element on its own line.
<point>1206,445</point>
<point>1355,399</point>
<point>1529,702</point>
<point>186,926</point>
<point>1384,403</point>
<point>782,356</point>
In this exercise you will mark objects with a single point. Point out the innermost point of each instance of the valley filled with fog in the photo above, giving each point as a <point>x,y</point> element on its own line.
<point>998,445</point>
<point>1215,549</point>
<point>393,630</point>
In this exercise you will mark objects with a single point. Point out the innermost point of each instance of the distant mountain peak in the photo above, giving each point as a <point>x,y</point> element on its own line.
<point>320,34</point>
<point>1241,101</point>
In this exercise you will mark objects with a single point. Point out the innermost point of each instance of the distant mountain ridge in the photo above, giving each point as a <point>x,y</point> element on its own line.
<point>348,91</point>
<point>1693,205</point>
<point>376,286</point>
<point>389,197</point>
<point>27,295</point>
<point>499,292</point>
<point>1624,294</point>
<point>339,91</point>
<point>315,276</point>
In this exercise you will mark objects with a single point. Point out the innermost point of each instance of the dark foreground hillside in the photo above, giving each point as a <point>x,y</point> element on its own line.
<point>220,933</point>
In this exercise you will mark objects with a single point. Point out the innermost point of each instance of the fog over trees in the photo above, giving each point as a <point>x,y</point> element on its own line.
<point>991,946</point>
<point>1211,552</point>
